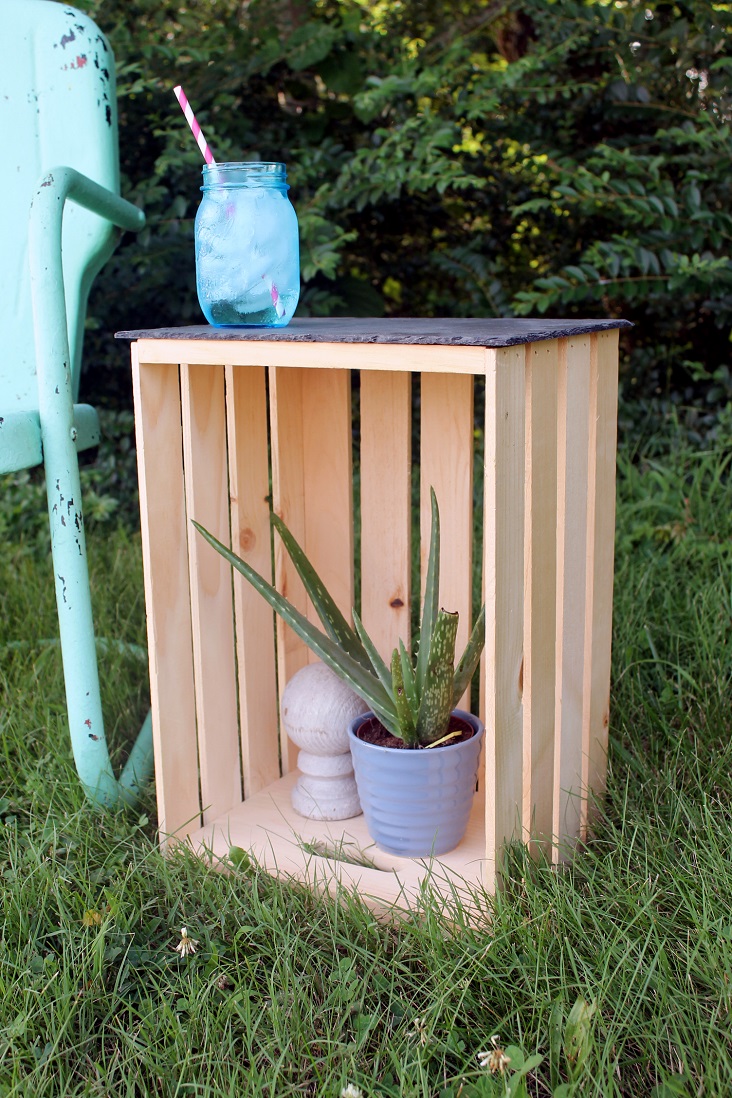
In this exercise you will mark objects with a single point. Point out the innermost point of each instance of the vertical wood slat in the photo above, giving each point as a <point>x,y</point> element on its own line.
<point>310,415</point>
<point>446,464</point>
<point>167,599</point>
<point>286,442</point>
<point>601,549</point>
<point>503,549</point>
<point>572,469</point>
<point>386,464</point>
<point>542,365</point>
<point>246,413</point>
<point>207,499</point>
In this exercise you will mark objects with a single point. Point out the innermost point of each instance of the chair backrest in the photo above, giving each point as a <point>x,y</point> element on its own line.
<point>57,108</point>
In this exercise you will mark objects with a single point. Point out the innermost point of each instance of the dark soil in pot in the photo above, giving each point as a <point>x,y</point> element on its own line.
<point>373,731</point>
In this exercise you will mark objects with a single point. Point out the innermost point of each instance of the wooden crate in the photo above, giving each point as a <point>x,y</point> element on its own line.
<point>229,420</point>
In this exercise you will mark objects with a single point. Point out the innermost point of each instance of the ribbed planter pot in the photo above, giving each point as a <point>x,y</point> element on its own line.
<point>416,801</point>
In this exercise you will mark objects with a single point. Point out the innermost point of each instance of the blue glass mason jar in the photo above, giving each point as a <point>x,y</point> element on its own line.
<point>247,247</point>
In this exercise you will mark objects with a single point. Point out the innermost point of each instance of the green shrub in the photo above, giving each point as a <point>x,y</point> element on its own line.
<point>445,159</point>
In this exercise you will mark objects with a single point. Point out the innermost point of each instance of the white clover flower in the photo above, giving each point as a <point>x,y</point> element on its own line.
<point>351,1091</point>
<point>496,1060</point>
<point>420,1030</point>
<point>186,945</point>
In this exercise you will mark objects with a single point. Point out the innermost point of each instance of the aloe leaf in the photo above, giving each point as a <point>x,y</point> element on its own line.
<point>410,684</point>
<point>377,662</point>
<point>470,657</point>
<point>364,682</point>
<point>333,620</point>
<point>431,597</point>
<point>436,701</point>
<point>407,726</point>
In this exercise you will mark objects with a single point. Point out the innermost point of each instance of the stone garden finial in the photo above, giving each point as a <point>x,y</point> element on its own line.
<point>317,707</point>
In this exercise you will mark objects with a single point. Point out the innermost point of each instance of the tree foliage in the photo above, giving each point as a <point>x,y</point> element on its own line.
<point>448,158</point>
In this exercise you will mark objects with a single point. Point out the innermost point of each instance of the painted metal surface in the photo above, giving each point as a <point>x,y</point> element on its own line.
<point>57,227</point>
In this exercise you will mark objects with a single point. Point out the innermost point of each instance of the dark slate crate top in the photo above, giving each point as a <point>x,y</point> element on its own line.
<point>468,333</point>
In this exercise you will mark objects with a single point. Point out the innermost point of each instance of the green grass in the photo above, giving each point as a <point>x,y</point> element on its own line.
<point>293,995</point>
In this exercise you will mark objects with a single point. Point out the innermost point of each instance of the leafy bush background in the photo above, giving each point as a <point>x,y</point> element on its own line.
<point>446,159</point>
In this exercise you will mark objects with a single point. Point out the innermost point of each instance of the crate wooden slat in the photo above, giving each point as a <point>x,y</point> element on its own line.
<point>540,609</point>
<point>164,549</point>
<point>246,410</point>
<point>385,483</point>
<point>214,673</point>
<point>225,419</point>
<point>572,496</point>
<point>503,563</point>
<point>601,554</point>
<point>446,464</point>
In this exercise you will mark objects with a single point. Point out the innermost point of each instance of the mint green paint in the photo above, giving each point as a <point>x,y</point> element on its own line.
<point>58,107</point>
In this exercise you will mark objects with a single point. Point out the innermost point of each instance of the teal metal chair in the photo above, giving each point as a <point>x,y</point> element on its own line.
<point>59,205</point>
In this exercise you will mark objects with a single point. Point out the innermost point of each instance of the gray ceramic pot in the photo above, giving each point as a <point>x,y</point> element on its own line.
<point>416,802</point>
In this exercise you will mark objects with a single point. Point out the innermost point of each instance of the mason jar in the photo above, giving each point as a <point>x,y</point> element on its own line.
<point>247,247</point>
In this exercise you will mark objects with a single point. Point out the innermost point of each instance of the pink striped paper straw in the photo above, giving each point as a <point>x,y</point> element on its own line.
<point>192,121</point>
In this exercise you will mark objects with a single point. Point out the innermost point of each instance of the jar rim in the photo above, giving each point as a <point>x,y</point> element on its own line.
<point>270,174</point>
<point>260,165</point>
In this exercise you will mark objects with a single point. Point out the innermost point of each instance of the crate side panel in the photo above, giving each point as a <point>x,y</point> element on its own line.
<point>385,478</point>
<point>207,498</point>
<point>246,413</point>
<point>167,595</point>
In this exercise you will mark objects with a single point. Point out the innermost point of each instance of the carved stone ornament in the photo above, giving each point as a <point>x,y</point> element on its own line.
<point>316,709</point>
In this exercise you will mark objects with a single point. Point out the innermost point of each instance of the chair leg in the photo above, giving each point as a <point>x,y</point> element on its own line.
<point>78,649</point>
<point>63,488</point>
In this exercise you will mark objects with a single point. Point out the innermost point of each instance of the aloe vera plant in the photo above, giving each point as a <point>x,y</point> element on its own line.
<point>412,699</point>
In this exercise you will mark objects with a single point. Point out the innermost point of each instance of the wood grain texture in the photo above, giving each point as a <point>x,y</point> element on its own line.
<point>319,356</point>
<point>503,549</point>
<point>446,464</point>
<point>385,478</point>
<point>601,547</point>
<point>540,539</point>
<point>572,468</point>
<point>267,825</point>
<point>167,596</point>
<point>288,501</point>
<point>310,432</point>
<point>207,501</point>
<point>246,414</point>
